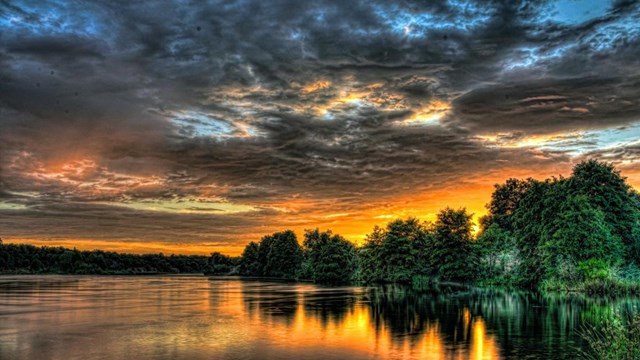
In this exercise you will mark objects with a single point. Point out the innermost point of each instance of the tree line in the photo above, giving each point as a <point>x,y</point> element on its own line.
<point>21,258</point>
<point>580,232</point>
<point>575,233</point>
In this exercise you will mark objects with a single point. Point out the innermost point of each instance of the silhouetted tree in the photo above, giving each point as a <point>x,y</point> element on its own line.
<point>504,202</point>
<point>250,260</point>
<point>220,264</point>
<point>263,254</point>
<point>30,259</point>
<point>285,255</point>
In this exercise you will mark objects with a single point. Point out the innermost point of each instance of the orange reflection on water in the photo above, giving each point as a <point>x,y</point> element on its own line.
<point>484,345</point>
<point>361,333</point>
<point>200,318</point>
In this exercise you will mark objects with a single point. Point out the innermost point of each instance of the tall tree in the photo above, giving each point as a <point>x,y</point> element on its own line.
<point>452,252</point>
<point>528,223</point>
<point>330,258</point>
<point>285,256</point>
<point>250,260</point>
<point>608,191</point>
<point>400,250</point>
<point>579,233</point>
<point>370,260</point>
<point>263,254</point>
<point>504,203</point>
<point>396,253</point>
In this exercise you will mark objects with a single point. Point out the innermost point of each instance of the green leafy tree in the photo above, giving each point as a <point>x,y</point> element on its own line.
<point>263,254</point>
<point>498,255</point>
<point>609,192</point>
<point>579,233</point>
<point>285,257</point>
<point>330,258</point>
<point>504,203</point>
<point>395,254</point>
<point>370,257</point>
<point>250,260</point>
<point>528,227</point>
<point>452,252</point>
<point>400,250</point>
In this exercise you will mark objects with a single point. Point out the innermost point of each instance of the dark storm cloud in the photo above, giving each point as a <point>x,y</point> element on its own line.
<point>264,103</point>
<point>550,105</point>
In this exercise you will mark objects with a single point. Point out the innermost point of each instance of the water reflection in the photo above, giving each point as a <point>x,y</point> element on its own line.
<point>54,317</point>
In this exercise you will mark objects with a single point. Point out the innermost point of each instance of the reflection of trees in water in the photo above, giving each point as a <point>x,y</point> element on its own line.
<point>528,323</point>
<point>407,314</point>
<point>271,301</point>
<point>523,323</point>
<point>330,305</point>
<point>520,324</point>
<point>280,302</point>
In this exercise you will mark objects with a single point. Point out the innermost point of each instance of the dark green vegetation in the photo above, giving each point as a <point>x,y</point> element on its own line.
<point>323,257</point>
<point>615,337</point>
<point>31,259</point>
<point>409,251</point>
<point>580,233</point>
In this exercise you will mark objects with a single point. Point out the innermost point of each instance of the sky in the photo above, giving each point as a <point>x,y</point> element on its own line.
<point>192,127</point>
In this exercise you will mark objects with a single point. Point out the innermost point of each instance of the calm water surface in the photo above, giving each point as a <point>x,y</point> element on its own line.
<point>190,317</point>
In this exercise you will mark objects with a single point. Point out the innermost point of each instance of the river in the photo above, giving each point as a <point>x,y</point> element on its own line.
<point>196,317</point>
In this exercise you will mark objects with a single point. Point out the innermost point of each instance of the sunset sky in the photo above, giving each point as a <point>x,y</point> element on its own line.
<point>180,127</point>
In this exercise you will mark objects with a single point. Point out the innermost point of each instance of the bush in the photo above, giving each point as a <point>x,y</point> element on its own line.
<point>613,339</point>
<point>630,272</point>
<point>611,287</point>
<point>593,269</point>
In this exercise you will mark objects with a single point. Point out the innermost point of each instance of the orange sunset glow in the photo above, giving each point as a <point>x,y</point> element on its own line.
<point>354,221</point>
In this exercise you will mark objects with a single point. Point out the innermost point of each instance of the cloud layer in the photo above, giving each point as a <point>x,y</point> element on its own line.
<point>207,125</point>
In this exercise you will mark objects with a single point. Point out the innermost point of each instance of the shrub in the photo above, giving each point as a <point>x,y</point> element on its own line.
<point>593,269</point>
<point>611,287</point>
<point>613,339</point>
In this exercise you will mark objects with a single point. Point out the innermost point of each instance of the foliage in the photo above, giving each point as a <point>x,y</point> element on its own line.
<point>610,287</point>
<point>608,191</point>
<point>504,202</point>
<point>264,249</point>
<point>285,256</point>
<point>370,257</point>
<point>529,225</point>
<point>276,255</point>
<point>396,253</point>
<point>613,339</point>
<point>578,233</point>
<point>250,260</point>
<point>559,223</point>
<point>451,251</point>
<point>328,258</point>
<point>594,269</point>
<point>32,259</point>
<point>220,264</point>
<point>497,256</point>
